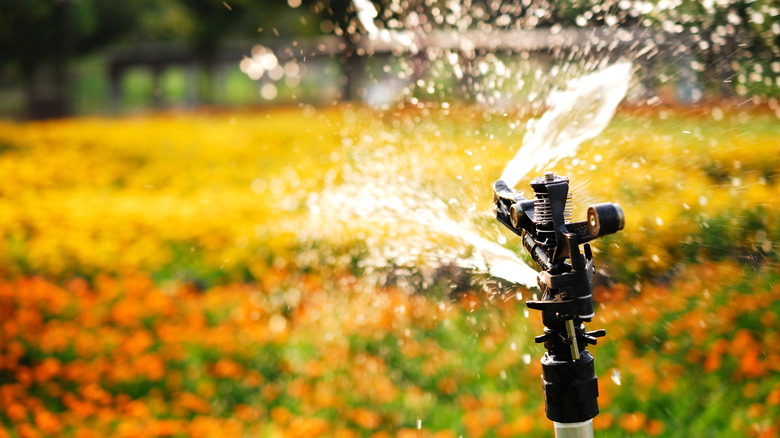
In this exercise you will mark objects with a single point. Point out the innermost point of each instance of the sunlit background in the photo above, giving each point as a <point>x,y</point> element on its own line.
<point>274,218</point>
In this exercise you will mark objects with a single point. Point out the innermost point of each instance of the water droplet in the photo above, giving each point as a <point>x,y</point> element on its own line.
<point>615,376</point>
<point>277,323</point>
<point>268,92</point>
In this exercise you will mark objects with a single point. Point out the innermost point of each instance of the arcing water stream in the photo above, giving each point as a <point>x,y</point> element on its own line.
<point>576,114</point>
<point>379,195</point>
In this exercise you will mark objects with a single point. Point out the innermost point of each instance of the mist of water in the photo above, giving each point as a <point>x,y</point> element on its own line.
<point>366,13</point>
<point>417,225</point>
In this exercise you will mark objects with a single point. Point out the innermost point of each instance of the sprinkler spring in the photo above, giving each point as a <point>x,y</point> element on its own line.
<point>566,281</point>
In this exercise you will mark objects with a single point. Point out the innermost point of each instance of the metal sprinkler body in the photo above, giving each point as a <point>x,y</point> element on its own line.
<point>566,281</point>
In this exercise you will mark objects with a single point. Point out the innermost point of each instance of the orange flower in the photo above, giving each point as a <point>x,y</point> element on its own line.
<point>27,431</point>
<point>603,421</point>
<point>253,379</point>
<point>755,410</point>
<point>343,432</point>
<point>365,418</point>
<point>300,427</point>
<point>16,413</point>
<point>655,427</point>
<point>137,343</point>
<point>632,423</point>
<point>137,409</point>
<point>447,385</point>
<point>713,360</point>
<point>165,428</point>
<point>774,397</point>
<point>769,432</point>
<point>469,301</point>
<point>246,413</point>
<point>193,403</point>
<point>79,408</point>
<point>750,364</point>
<point>410,433</point>
<point>86,433</point>
<point>519,427</point>
<point>280,415</point>
<point>48,368</point>
<point>473,423</point>
<point>150,366</point>
<point>48,422</point>
<point>94,392</point>
<point>227,369</point>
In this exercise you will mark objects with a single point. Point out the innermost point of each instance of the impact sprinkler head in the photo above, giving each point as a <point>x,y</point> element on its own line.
<point>547,218</point>
<point>566,280</point>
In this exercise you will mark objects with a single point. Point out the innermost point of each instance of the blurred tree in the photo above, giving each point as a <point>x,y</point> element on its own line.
<point>39,37</point>
<point>33,34</point>
<point>338,17</point>
<point>212,22</point>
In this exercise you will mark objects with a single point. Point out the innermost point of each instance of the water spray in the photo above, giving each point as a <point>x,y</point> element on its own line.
<point>566,281</point>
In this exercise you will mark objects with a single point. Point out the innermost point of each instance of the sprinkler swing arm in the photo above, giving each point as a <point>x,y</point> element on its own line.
<point>566,281</point>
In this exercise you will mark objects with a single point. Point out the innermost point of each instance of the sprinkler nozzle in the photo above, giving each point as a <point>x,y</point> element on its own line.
<point>605,218</point>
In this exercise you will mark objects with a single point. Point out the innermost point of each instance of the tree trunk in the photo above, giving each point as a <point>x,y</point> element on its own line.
<point>47,88</point>
<point>45,99</point>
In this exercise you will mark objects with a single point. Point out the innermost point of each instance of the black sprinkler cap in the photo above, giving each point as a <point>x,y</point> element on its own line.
<point>605,218</point>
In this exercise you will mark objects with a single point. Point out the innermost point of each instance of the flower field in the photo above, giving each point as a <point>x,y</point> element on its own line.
<point>163,276</point>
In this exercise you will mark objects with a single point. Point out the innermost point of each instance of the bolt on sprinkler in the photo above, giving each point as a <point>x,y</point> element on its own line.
<point>566,281</point>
